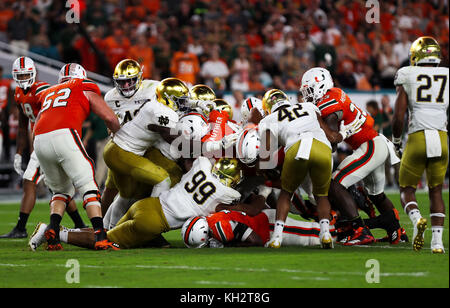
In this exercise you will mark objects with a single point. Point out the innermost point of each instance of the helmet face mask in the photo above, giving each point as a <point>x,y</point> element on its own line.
<point>127,77</point>
<point>195,232</point>
<point>315,84</point>
<point>173,93</point>
<point>24,72</point>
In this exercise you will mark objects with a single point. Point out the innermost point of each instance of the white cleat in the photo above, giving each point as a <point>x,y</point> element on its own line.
<point>419,230</point>
<point>326,241</point>
<point>38,237</point>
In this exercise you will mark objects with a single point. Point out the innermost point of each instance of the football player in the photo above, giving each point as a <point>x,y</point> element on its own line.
<point>251,111</point>
<point>126,99</point>
<point>61,154</point>
<point>308,151</point>
<point>201,190</point>
<point>422,89</point>
<point>124,154</point>
<point>26,96</point>
<point>194,123</point>
<point>236,228</point>
<point>223,130</point>
<point>370,149</point>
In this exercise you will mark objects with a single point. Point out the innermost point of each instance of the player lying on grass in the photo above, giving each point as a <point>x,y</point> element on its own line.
<point>199,192</point>
<point>233,228</point>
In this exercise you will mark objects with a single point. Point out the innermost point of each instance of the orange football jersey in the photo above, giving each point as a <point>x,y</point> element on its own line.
<point>29,101</point>
<point>336,101</point>
<point>222,229</point>
<point>65,106</point>
<point>219,122</point>
<point>5,84</point>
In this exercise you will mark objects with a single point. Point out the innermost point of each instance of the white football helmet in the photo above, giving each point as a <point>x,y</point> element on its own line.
<point>247,105</point>
<point>24,72</point>
<point>194,125</point>
<point>195,232</point>
<point>247,145</point>
<point>71,70</point>
<point>315,83</point>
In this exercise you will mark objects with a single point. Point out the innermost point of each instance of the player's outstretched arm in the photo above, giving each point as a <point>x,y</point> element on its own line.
<point>401,104</point>
<point>100,108</point>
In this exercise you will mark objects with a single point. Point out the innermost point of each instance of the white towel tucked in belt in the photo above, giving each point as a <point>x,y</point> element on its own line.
<point>305,146</point>
<point>393,158</point>
<point>433,143</point>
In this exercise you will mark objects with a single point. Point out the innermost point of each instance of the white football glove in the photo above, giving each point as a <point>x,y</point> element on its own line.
<point>229,140</point>
<point>398,146</point>
<point>352,127</point>
<point>205,106</point>
<point>18,164</point>
<point>213,243</point>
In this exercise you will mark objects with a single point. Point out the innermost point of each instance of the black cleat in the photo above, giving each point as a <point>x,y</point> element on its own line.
<point>15,233</point>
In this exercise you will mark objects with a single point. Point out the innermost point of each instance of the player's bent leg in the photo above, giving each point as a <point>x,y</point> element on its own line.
<point>140,168</point>
<point>143,222</point>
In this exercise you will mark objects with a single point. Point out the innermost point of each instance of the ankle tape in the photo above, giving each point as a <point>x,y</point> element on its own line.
<point>408,204</point>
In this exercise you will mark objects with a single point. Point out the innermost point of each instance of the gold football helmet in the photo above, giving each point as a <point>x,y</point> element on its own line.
<point>271,98</point>
<point>202,96</point>
<point>425,50</point>
<point>127,77</point>
<point>228,171</point>
<point>173,93</point>
<point>222,105</point>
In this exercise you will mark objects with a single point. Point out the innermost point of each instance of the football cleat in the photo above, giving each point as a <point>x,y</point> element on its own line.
<point>274,242</point>
<point>438,249</point>
<point>361,236</point>
<point>15,233</point>
<point>105,245</point>
<point>37,237</point>
<point>391,238</point>
<point>326,241</point>
<point>52,238</point>
<point>419,230</point>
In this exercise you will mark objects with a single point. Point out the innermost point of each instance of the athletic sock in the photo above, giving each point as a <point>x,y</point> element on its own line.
<point>55,220</point>
<point>97,223</point>
<point>414,215</point>
<point>76,218</point>
<point>324,225</point>
<point>64,235</point>
<point>22,222</point>
<point>437,235</point>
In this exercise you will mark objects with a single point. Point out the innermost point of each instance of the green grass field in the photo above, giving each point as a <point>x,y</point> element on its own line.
<point>179,267</point>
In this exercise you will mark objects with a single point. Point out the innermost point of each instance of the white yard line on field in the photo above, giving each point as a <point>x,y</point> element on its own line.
<point>214,268</point>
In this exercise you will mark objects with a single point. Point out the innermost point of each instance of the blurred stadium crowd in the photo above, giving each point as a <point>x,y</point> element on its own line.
<point>230,45</point>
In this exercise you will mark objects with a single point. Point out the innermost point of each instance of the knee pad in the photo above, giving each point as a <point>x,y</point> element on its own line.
<point>61,197</point>
<point>91,197</point>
